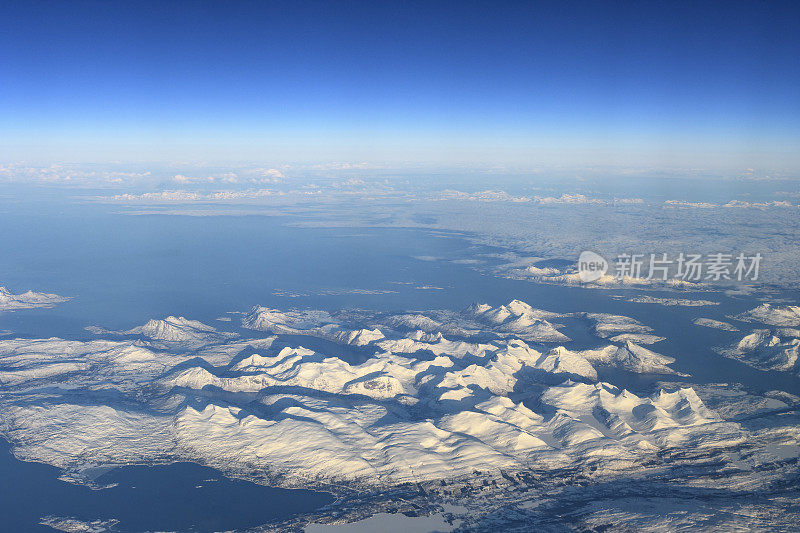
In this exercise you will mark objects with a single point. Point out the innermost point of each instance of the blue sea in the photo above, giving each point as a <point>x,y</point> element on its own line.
<point>122,270</point>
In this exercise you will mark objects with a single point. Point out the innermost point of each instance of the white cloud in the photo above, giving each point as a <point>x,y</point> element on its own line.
<point>683,203</point>
<point>568,199</point>
<point>758,205</point>
<point>162,196</point>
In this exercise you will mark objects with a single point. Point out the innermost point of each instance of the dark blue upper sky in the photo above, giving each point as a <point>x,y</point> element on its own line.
<point>515,82</point>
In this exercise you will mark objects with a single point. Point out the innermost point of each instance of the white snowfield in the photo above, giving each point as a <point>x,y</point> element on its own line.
<point>28,300</point>
<point>415,407</point>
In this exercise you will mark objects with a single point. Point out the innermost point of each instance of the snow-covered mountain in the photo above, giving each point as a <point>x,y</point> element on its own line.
<point>285,322</point>
<point>769,349</point>
<point>520,319</point>
<point>28,300</point>
<point>177,329</point>
<point>630,356</point>
<point>431,398</point>
<point>173,331</point>
<point>773,315</point>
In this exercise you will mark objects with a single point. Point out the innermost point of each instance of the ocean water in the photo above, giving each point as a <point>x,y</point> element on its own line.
<point>176,497</point>
<point>122,270</point>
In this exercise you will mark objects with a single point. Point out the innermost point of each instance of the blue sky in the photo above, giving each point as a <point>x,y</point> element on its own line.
<point>674,84</point>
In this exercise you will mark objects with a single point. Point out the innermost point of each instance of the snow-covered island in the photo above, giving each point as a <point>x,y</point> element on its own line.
<point>28,300</point>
